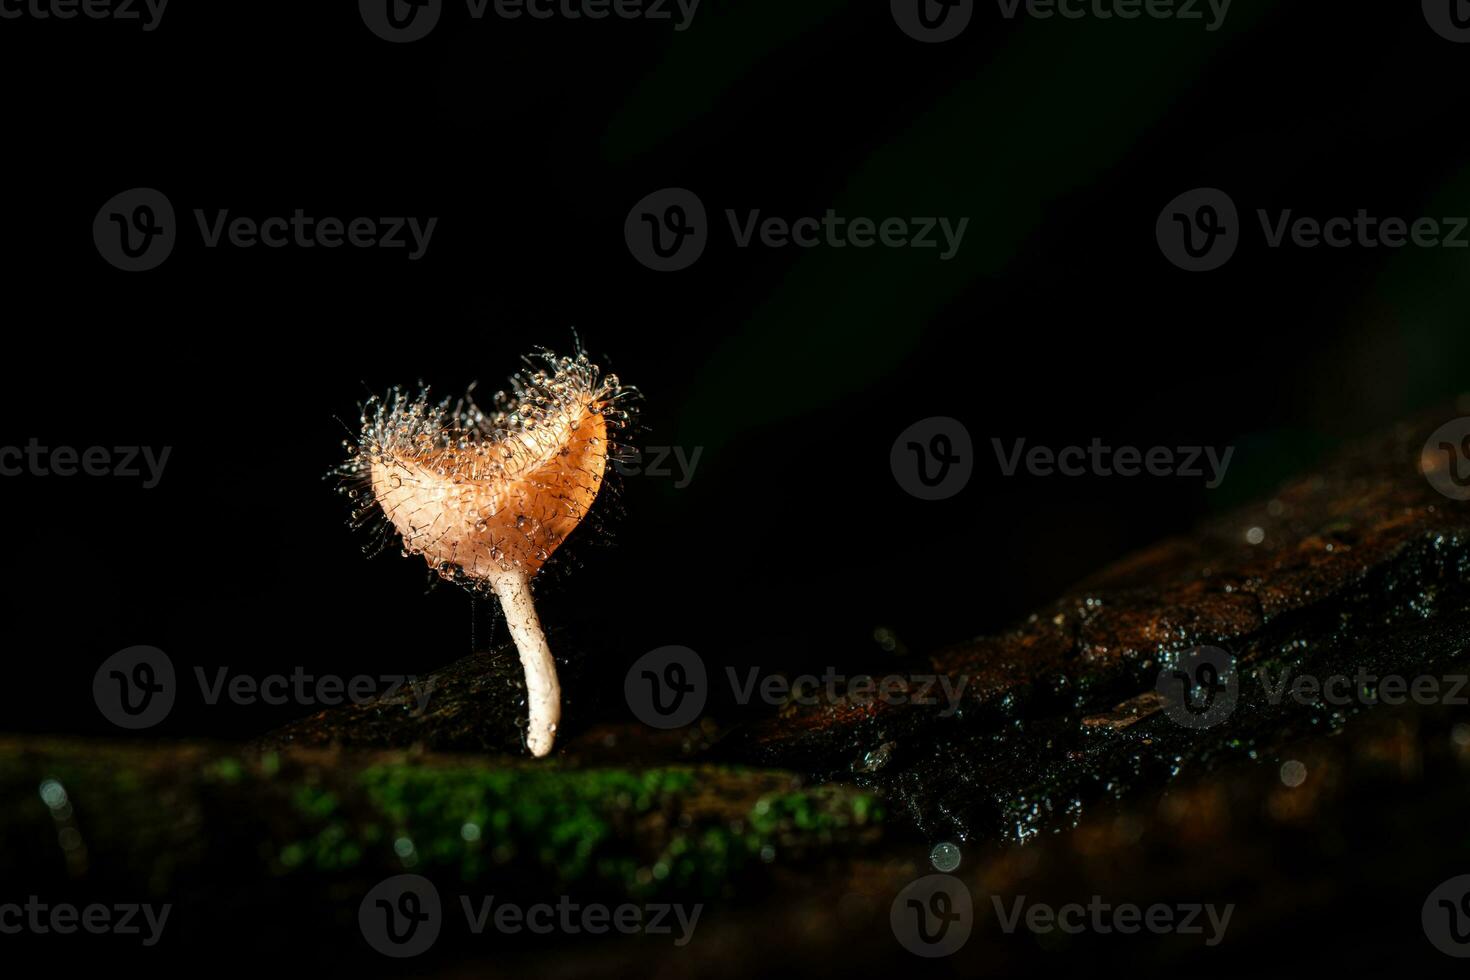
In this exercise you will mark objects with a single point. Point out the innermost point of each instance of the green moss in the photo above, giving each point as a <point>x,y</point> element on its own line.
<point>637,831</point>
<point>558,819</point>
<point>310,801</point>
<point>226,770</point>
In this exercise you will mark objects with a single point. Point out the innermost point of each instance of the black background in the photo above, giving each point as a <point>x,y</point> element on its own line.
<point>793,370</point>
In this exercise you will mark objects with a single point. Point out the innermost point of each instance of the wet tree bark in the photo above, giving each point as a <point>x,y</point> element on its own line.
<point>1360,570</point>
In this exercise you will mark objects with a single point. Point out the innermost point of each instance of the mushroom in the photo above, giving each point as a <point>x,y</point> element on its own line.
<point>487,498</point>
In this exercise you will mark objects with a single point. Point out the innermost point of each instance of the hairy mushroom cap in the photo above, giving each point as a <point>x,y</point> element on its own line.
<point>494,506</point>
<point>481,495</point>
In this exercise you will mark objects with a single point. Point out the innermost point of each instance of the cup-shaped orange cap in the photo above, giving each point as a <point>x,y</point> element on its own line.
<point>481,495</point>
<point>499,505</point>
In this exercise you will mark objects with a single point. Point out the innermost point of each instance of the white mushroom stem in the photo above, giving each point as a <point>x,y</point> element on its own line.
<point>543,693</point>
